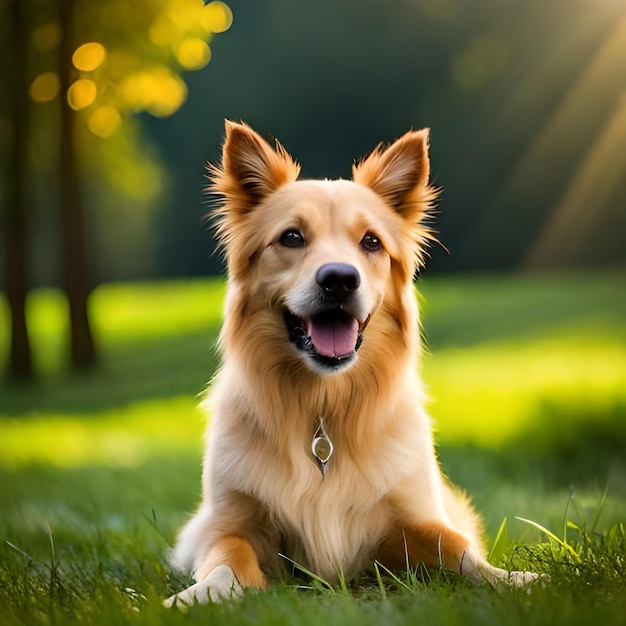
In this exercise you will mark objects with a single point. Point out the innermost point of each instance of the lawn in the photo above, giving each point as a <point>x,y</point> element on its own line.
<point>527,377</point>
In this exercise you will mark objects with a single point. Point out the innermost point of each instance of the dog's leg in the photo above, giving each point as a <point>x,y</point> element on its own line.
<point>437,545</point>
<point>230,567</point>
<point>433,544</point>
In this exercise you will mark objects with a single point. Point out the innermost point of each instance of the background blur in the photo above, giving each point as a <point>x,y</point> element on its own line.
<point>111,296</point>
<point>526,101</point>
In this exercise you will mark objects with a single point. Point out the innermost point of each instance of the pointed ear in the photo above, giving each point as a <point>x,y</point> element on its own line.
<point>250,168</point>
<point>399,174</point>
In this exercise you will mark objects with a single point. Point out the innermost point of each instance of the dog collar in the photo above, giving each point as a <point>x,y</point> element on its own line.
<point>322,447</point>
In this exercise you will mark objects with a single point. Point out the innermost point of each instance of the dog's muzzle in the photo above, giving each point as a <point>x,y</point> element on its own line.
<point>330,335</point>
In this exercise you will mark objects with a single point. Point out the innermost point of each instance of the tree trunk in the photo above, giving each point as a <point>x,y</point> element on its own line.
<point>20,358</point>
<point>74,261</point>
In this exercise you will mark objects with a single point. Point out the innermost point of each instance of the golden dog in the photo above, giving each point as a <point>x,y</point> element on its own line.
<point>319,447</point>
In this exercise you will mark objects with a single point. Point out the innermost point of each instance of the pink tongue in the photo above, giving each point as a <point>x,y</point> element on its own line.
<point>333,336</point>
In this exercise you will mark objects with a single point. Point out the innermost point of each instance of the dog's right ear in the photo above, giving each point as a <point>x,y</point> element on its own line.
<point>399,174</point>
<point>250,168</point>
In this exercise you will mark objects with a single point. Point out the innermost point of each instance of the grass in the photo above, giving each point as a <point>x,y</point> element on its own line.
<point>528,384</point>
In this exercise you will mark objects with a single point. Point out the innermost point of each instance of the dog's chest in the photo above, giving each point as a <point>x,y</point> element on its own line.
<point>327,523</point>
<point>331,523</point>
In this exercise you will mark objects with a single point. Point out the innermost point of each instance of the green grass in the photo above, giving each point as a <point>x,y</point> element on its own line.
<point>528,385</point>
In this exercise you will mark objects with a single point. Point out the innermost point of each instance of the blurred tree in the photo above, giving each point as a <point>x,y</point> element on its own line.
<point>15,203</point>
<point>96,63</point>
<point>71,215</point>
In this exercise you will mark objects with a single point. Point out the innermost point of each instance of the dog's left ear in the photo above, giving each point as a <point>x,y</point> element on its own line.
<point>399,174</point>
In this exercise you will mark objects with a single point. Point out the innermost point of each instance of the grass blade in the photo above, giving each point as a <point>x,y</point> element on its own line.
<point>379,580</point>
<point>596,519</point>
<point>394,576</point>
<point>19,551</point>
<point>553,537</point>
<point>565,514</point>
<point>309,573</point>
<point>500,538</point>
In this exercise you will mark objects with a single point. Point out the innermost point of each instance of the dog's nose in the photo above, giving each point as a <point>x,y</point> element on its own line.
<point>338,279</point>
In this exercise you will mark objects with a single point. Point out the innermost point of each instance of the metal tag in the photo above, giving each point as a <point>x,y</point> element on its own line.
<point>322,447</point>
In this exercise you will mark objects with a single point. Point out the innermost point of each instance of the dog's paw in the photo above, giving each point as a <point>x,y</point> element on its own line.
<point>521,579</point>
<point>220,585</point>
<point>500,577</point>
<point>480,572</point>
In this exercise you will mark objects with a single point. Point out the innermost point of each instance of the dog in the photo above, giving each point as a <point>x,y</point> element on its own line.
<point>319,449</point>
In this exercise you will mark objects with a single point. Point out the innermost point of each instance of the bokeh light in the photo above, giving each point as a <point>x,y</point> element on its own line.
<point>89,56</point>
<point>104,121</point>
<point>440,10</point>
<point>483,59</point>
<point>81,94</point>
<point>217,17</point>
<point>46,36</point>
<point>157,90</point>
<point>193,54</point>
<point>45,87</point>
<point>162,32</point>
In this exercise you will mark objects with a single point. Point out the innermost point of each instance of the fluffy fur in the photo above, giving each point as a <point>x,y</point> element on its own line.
<point>312,265</point>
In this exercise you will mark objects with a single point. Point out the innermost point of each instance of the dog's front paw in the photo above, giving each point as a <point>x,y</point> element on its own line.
<point>220,585</point>
<point>496,576</point>
<point>521,579</point>
<point>479,572</point>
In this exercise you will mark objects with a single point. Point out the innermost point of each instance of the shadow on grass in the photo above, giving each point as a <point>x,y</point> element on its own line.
<point>462,311</point>
<point>87,500</point>
<point>146,369</point>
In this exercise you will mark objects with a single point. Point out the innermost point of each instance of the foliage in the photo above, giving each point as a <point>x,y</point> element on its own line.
<point>128,58</point>
<point>97,64</point>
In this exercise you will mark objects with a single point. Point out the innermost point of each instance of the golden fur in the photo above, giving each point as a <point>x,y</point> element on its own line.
<point>383,497</point>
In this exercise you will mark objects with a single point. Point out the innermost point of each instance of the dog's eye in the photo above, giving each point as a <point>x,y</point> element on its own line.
<point>371,243</point>
<point>292,238</point>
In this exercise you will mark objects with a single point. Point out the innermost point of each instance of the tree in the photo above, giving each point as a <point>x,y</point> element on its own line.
<point>15,202</point>
<point>96,64</point>
<point>74,263</point>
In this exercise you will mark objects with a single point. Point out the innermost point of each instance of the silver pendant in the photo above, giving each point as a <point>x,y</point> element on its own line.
<point>322,447</point>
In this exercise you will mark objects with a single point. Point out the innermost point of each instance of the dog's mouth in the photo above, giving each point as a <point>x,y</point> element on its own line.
<point>331,337</point>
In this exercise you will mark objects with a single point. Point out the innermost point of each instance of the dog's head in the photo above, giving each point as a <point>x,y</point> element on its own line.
<point>312,263</point>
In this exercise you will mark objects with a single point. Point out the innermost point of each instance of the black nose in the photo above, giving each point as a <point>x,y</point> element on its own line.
<point>338,279</point>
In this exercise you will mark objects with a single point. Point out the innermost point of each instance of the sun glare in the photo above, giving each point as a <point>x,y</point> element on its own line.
<point>585,198</point>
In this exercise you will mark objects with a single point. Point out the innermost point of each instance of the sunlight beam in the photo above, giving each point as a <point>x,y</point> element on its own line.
<point>585,201</point>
